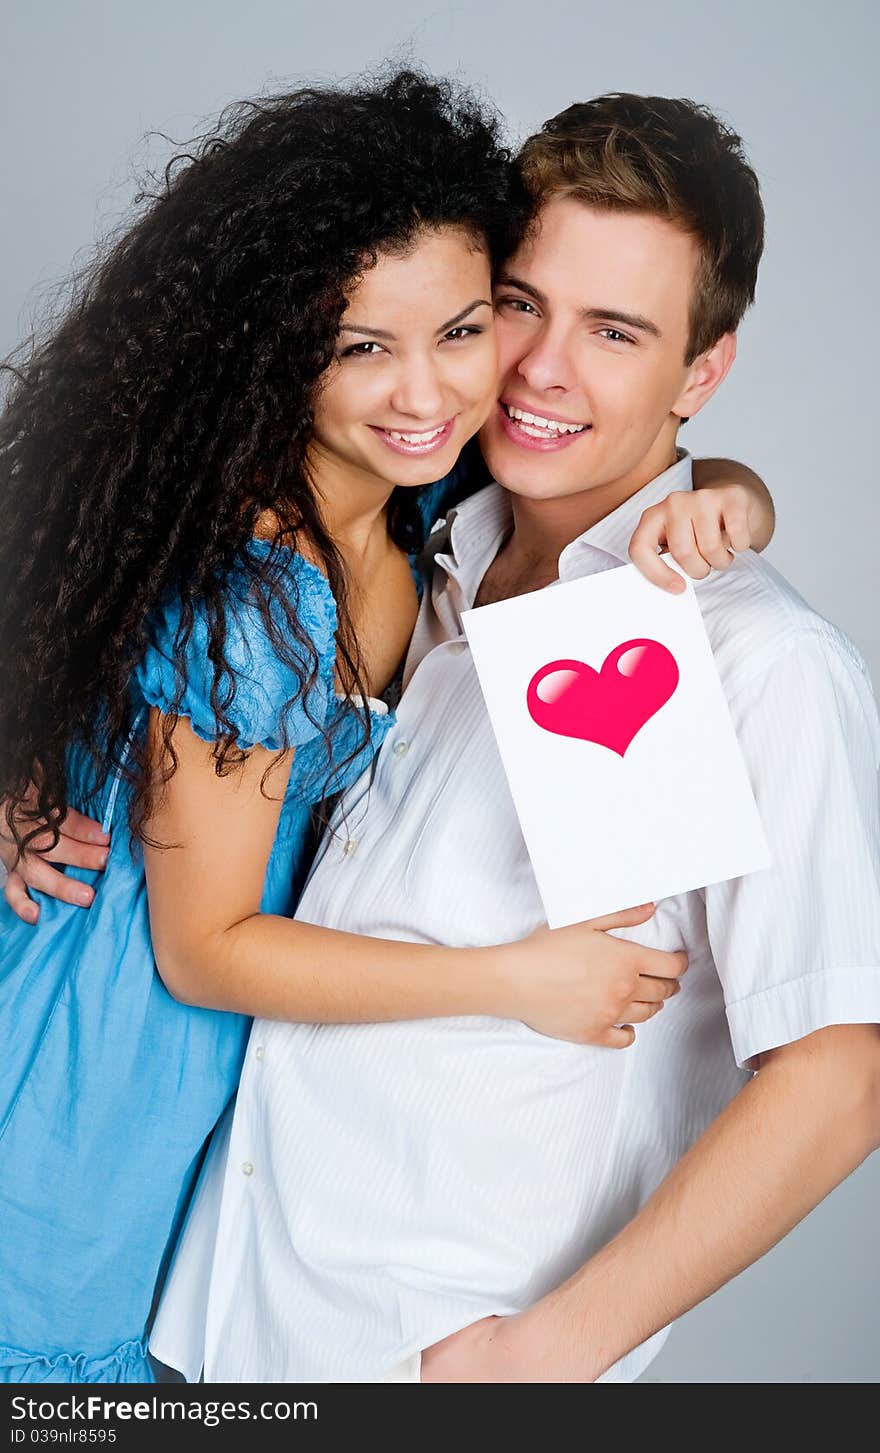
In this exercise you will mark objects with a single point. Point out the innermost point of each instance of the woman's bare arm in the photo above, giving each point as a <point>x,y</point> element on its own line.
<point>215,948</point>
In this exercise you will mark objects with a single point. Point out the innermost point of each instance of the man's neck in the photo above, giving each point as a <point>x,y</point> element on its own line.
<point>542,528</point>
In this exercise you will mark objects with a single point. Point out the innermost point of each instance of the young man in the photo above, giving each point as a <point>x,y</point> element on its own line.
<point>514,1208</point>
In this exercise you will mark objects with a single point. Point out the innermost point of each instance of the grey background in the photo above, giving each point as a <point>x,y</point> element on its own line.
<point>81,82</point>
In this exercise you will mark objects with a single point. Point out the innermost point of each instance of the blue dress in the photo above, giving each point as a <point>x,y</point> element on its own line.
<point>109,1088</point>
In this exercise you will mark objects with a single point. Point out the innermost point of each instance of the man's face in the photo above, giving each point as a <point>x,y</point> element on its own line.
<point>592,317</point>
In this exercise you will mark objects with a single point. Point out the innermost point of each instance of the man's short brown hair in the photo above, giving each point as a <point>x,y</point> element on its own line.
<point>673,159</point>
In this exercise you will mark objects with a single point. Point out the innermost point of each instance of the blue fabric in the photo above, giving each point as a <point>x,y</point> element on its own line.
<point>109,1088</point>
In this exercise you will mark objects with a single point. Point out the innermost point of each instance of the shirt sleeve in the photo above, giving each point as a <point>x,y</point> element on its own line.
<point>797,946</point>
<point>276,703</point>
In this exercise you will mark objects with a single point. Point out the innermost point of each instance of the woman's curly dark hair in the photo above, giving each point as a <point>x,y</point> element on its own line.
<point>171,408</point>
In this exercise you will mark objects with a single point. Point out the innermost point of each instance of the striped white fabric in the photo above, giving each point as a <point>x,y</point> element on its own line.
<point>387,1184</point>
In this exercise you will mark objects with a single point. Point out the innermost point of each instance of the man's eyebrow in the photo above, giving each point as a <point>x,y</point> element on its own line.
<point>629,320</point>
<point>507,280</point>
<point>444,327</point>
<point>590,315</point>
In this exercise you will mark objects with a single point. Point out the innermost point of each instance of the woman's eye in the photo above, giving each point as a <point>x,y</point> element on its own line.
<point>464,330</point>
<point>361,350</point>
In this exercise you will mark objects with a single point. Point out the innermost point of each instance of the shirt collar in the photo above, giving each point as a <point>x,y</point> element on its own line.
<point>478,525</point>
<point>612,534</point>
<point>472,537</point>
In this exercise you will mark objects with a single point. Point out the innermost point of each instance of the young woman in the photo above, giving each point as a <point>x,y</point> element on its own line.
<point>212,495</point>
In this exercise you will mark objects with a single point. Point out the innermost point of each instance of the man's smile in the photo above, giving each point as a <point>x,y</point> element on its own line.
<point>533,430</point>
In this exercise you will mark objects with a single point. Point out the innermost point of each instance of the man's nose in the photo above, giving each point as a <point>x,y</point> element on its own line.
<point>418,391</point>
<point>548,365</point>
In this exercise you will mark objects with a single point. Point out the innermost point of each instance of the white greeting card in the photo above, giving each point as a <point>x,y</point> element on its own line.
<point>617,742</point>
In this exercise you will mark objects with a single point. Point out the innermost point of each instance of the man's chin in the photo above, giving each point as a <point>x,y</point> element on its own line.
<point>530,478</point>
<point>537,488</point>
<point>530,474</point>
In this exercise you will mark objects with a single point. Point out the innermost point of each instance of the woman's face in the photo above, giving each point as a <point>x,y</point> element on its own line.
<point>416,367</point>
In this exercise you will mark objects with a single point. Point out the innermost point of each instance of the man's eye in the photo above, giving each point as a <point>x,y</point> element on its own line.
<point>361,350</point>
<point>614,335</point>
<point>519,305</point>
<point>464,330</point>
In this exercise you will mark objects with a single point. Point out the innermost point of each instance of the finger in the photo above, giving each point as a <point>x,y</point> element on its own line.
<point>75,854</point>
<point>683,548</point>
<point>84,829</point>
<point>736,523</point>
<point>619,1036</point>
<point>640,1013</point>
<point>10,848</point>
<point>643,553</point>
<point>656,963</point>
<point>624,918</point>
<point>46,879</point>
<point>16,896</point>
<point>650,989</point>
<point>712,543</point>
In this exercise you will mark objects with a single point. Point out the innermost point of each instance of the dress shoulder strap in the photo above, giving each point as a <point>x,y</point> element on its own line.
<point>107,819</point>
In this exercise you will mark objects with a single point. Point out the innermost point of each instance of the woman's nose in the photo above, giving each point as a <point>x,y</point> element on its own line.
<point>418,392</point>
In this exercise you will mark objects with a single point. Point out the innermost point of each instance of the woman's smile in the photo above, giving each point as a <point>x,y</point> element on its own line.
<point>422,441</point>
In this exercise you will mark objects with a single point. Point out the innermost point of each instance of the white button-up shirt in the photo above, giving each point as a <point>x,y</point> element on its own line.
<point>388,1184</point>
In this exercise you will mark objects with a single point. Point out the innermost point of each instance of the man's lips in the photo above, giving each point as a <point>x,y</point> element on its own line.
<point>541,435</point>
<point>416,441</point>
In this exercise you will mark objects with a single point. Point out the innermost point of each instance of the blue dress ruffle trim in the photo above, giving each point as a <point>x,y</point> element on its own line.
<point>126,1363</point>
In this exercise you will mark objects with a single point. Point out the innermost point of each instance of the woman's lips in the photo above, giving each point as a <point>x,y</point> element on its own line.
<point>548,443</point>
<point>408,441</point>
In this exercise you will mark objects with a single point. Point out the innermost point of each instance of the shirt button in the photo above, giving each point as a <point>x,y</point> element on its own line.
<point>400,749</point>
<point>350,847</point>
<point>247,1168</point>
<point>259,1052</point>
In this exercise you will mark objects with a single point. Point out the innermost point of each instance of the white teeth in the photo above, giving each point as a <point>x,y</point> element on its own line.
<point>415,438</point>
<point>541,425</point>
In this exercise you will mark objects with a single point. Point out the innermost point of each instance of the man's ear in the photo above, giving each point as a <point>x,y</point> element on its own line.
<point>705,375</point>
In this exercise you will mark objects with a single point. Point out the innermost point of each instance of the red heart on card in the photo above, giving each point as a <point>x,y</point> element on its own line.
<point>610,706</point>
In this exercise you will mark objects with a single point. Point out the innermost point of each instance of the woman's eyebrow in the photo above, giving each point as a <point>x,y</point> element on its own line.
<point>477,303</point>
<point>390,337</point>
<point>371,332</point>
